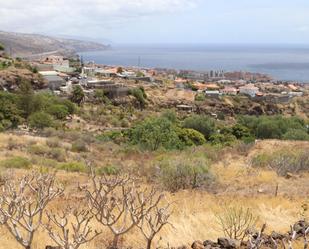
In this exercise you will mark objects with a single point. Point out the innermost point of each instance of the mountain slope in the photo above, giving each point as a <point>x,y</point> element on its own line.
<point>18,44</point>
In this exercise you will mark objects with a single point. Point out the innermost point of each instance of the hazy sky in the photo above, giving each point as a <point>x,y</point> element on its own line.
<point>162,21</point>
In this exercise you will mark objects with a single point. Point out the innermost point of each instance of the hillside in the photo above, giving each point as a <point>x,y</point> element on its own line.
<point>21,45</point>
<point>195,210</point>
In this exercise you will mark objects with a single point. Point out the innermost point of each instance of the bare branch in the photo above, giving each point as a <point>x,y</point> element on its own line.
<point>22,205</point>
<point>70,235</point>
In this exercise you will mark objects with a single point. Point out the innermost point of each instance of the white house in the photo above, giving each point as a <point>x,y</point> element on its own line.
<point>249,89</point>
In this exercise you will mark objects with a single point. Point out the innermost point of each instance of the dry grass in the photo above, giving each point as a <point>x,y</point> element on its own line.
<point>194,211</point>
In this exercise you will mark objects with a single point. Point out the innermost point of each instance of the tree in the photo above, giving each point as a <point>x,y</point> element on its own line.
<point>22,206</point>
<point>74,234</point>
<point>40,120</point>
<point>1,47</point>
<point>78,95</point>
<point>203,124</point>
<point>10,114</point>
<point>152,223</point>
<point>117,203</point>
<point>25,95</point>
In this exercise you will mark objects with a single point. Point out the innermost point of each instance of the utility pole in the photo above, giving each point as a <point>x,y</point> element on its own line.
<point>139,62</point>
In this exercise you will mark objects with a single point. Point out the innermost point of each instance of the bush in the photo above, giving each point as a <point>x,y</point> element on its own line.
<point>108,170</point>
<point>115,136</point>
<point>240,131</point>
<point>57,154</point>
<point>223,139</point>
<point>155,133</point>
<point>190,137</point>
<point>283,161</point>
<point>235,222</point>
<point>203,124</point>
<point>79,146</point>
<point>53,142</point>
<point>273,127</point>
<point>171,115</point>
<point>139,95</point>
<point>296,134</point>
<point>41,120</point>
<point>72,167</point>
<point>184,174</point>
<point>200,97</point>
<point>38,150</point>
<point>16,162</point>
<point>268,130</point>
<point>58,111</point>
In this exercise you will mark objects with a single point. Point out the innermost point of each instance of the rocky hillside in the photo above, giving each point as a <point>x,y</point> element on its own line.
<point>19,44</point>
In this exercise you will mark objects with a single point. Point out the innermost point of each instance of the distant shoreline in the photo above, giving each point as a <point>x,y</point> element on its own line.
<point>282,63</point>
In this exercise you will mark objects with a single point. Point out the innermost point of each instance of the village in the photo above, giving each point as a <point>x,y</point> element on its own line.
<point>62,75</point>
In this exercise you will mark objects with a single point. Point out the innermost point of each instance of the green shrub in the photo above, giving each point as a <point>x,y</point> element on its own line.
<point>72,167</point>
<point>71,107</point>
<point>184,173</point>
<point>108,170</point>
<point>296,134</point>
<point>283,161</point>
<point>41,120</point>
<point>58,111</point>
<point>57,154</point>
<point>171,115</point>
<point>203,124</point>
<point>190,137</point>
<point>200,97</point>
<point>271,127</point>
<point>240,131</point>
<point>53,142</point>
<point>222,139</point>
<point>139,95</point>
<point>268,129</point>
<point>79,146</point>
<point>115,136</point>
<point>16,162</point>
<point>38,150</point>
<point>155,133</point>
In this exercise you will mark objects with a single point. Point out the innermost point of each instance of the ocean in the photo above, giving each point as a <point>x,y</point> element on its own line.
<point>282,62</point>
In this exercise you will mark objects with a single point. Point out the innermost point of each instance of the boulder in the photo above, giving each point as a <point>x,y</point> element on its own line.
<point>277,236</point>
<point>300,227</point>
<point>197,245</point>
<point>210,243</point>
<point>227,243</point>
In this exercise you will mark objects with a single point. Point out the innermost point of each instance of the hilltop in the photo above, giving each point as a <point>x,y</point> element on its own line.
<point>22,45</point>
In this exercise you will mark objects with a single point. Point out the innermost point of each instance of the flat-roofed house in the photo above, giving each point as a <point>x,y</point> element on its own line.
<point>54,82</point>
<point>249,89</point>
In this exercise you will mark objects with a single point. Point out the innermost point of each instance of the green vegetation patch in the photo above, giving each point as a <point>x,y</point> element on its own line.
<point>16,163</point>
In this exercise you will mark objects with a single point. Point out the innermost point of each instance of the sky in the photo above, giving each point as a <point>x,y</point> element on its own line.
<point>162,21</point>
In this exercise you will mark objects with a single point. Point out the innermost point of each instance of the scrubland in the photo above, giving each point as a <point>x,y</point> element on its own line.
<point>276,200</point>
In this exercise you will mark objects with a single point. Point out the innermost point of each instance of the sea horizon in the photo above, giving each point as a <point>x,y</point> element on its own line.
<point>281,61</point>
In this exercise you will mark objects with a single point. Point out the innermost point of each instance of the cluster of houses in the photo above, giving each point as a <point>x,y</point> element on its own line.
<point>242,87</point>
<point>61,77</point>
